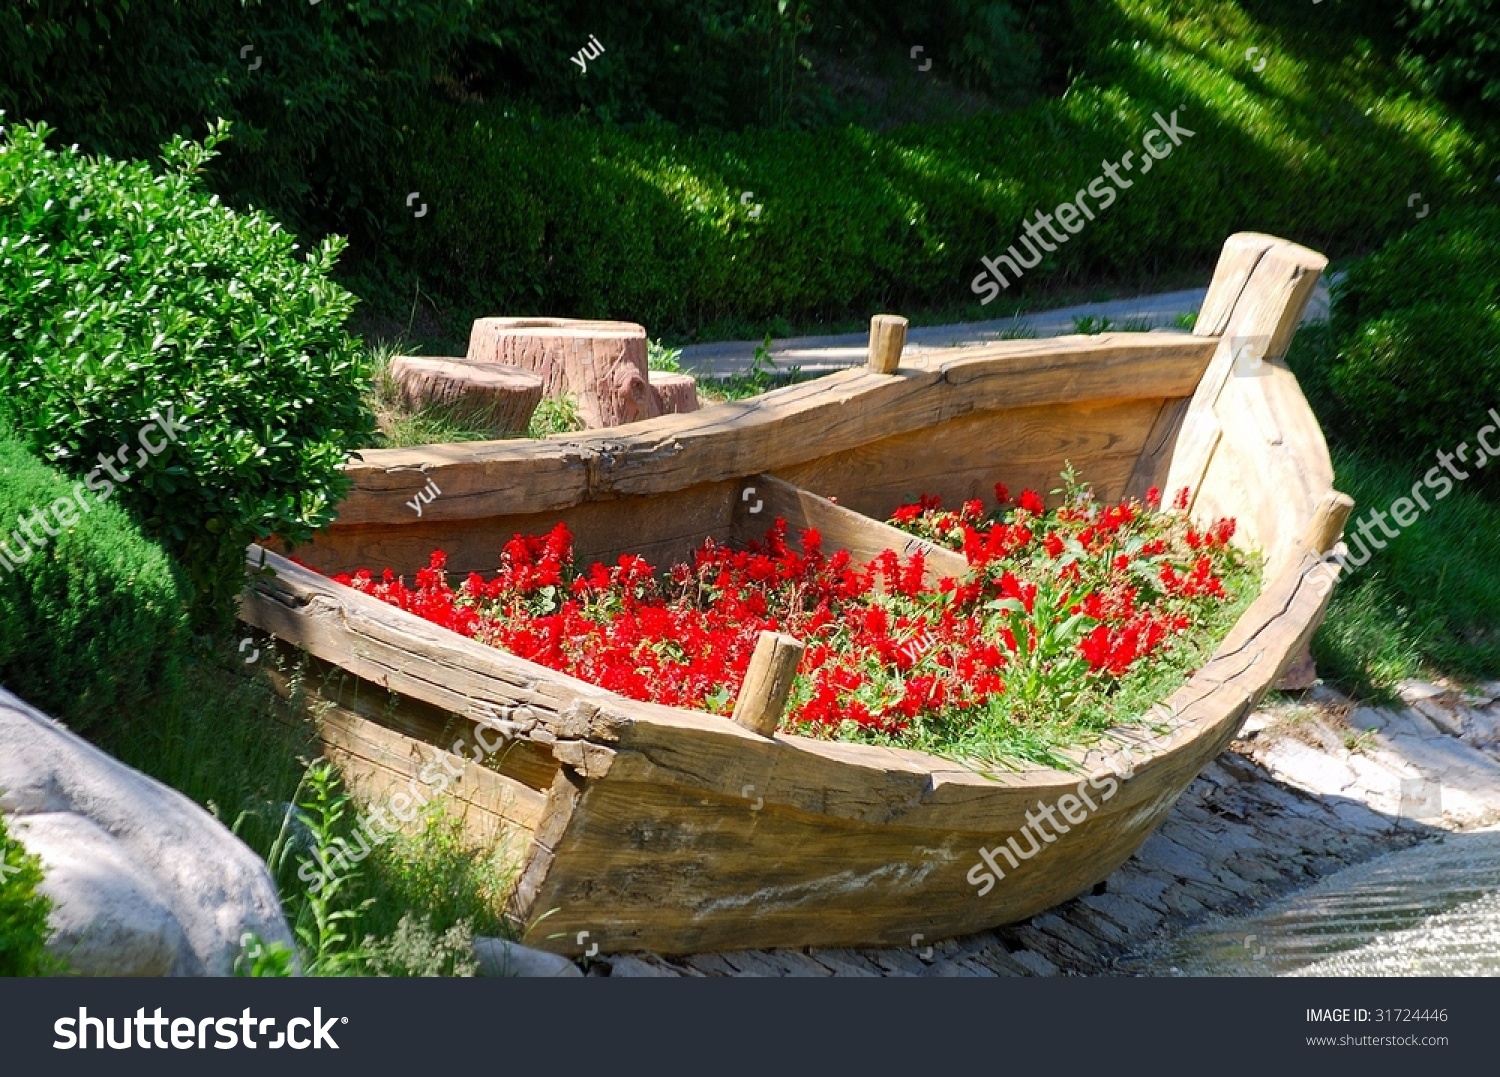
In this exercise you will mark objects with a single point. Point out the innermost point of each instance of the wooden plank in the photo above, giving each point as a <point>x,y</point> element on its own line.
<point>768,433</point>
<point>663,529</point>
<point>841,528</point>
<point>1237,385</point>
<point>1328,522</point>
<point>385,762</point>
<point>562,800</point>
<point>1155,459</point>
<point>887,340</point>
<point>1240,255</point>
<point>327,685</point>
<point>963,458</point>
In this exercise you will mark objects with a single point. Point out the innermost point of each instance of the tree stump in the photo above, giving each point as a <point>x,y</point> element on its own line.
<point>603,364</point>
<point>485,396</point>
<point>676,394</point>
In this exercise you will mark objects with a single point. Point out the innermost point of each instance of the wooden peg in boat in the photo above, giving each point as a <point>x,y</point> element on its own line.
<point>767,682</point>
<point>887,339</point>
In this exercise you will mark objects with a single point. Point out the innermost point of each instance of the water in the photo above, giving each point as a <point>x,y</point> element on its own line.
<point>1431,910</point>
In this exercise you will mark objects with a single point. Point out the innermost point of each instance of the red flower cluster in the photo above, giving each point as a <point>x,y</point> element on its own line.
<point>1052,602</point>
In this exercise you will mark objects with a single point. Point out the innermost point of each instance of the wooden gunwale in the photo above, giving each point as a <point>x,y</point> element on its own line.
<point>642,788</point>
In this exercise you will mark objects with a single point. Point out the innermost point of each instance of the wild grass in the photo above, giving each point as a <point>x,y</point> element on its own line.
<point>1428,604</point>
<point>235,745</point>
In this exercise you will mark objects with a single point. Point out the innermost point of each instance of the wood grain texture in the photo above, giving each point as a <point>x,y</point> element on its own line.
<point>601,363</point>
<point>772,432</point>
<point>769,498</point>
<point>768,682</point>
<point>1250,446</point>
<point>965,457</point>
<point>485,396</point>
<point>887,341</point>
<point>676,394</point>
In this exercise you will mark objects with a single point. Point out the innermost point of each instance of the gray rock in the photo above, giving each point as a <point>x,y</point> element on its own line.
<point>501,957</point>
<point>144,882</point>
<point>1411,691</point>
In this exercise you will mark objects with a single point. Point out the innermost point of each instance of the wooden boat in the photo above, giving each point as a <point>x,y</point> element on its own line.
<point>653,828</point>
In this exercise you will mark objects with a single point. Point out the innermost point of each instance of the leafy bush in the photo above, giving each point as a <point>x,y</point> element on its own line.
<point>320,92</point>
<point>1459,42</point>
<point>128,296</point>
<point>91,620</point>
<point>23,911</point>
<point>1417,327</point>
<point>309,98</point>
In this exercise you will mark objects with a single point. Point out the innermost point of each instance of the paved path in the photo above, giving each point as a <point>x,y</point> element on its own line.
<point>821,354</point>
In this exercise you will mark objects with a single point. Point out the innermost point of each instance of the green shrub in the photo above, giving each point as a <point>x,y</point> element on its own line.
<point>1459,41</point>
<point>23,911</point>
<point>91,621</point>
<point>1417,328</point>
<point>308,86</point>
<point>660,226</point>
<point>127,296</point>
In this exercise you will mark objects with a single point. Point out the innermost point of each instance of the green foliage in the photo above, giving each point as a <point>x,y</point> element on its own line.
<point>661,357</point>
<point>1459,43</point>
<point>1417,328</point>
<point>320,91</point>
<point>1426,604</point>
<point>91,620</point>
<point>23,911</point>
<point>311,97</point>
<point>259,959</point>
<point>127,295</point>
<point>415,948</point>
<point>1324,146</point>
<point>555,415</point>
<point>324,914</point>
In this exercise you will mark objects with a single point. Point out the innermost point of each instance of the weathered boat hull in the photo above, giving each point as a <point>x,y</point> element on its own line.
<point>675,831</point>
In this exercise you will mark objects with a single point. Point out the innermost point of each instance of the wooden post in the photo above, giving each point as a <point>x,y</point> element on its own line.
<point>887,339</point>
<point>1328,521</point>
<point>767,682</point>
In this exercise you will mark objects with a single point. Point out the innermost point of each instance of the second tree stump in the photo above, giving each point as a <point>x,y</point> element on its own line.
<point>676,394</point>
<point>485,396</point>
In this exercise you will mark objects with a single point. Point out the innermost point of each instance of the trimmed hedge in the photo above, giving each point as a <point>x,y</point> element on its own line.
<point>92,620</point>
<point>530,215</point>
<point>129,297</point>
<point>1417,328</point>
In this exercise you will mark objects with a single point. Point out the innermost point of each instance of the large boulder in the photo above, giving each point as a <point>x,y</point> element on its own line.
<point>144,882</point>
